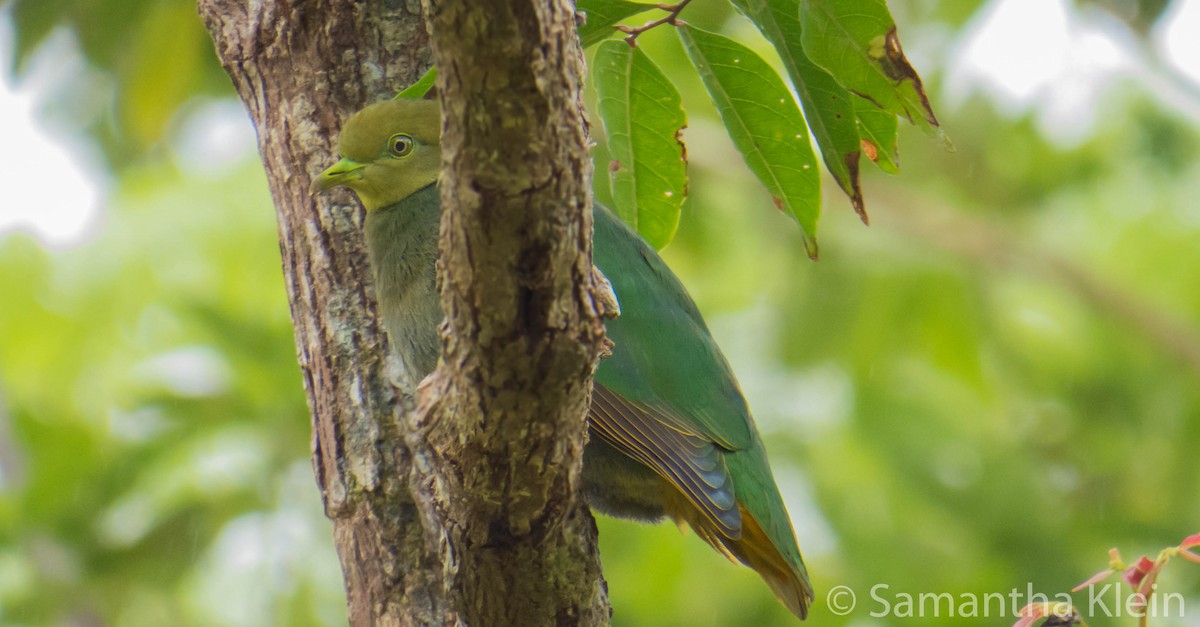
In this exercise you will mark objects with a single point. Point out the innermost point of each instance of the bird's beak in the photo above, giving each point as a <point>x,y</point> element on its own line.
<point>340,173</point>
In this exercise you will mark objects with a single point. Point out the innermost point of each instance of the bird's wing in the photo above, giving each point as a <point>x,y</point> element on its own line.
<point>664,359</point>
<point>689,460</point>
<point>667,398</point>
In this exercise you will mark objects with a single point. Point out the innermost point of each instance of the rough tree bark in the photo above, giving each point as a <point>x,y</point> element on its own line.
<point>462,510</point>
<point>515,382</point>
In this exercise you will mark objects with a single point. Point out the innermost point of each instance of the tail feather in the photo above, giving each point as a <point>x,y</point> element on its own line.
<point>754,548</point>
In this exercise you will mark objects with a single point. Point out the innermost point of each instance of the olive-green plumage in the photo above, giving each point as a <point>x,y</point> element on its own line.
<point>671,433</point>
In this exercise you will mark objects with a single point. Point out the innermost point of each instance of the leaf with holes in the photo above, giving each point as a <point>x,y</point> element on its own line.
<point>856,42</point>
<point>764,123</point>
<point>878,129</point>
<point>828,107</point>
<point>642,117</point>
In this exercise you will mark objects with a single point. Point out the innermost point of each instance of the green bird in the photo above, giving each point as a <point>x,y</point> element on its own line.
<point>670,432</point>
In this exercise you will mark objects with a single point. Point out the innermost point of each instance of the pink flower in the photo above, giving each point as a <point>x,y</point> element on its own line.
<point>1136,573</point>
<point>1114,565</point>
<point>1094,579</point>
<point>1188,543</point>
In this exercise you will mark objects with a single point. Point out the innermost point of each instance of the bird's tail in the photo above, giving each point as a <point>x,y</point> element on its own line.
<point>755,549</point>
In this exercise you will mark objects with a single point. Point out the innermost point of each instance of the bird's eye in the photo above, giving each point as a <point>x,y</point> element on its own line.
<point>400,145</point>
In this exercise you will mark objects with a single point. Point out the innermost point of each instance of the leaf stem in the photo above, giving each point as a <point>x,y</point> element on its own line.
<point>672,18</point>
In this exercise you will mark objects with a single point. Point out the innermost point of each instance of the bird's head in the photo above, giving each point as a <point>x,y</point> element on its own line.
<point>389,151</point>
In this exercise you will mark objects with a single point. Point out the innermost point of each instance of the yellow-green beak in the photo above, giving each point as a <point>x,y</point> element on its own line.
<point>340,173</point>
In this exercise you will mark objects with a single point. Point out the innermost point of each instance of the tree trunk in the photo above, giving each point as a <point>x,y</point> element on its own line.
<point>484,528</point>
<point>506,407</point>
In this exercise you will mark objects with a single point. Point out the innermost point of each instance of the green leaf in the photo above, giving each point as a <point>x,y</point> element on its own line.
<point>764,122</point>
<point>642,116</point>
<point>422,86</point>
<point>601,15</point>
<point>856,41</point>
<point>878,129</point>
<point>827,105</point>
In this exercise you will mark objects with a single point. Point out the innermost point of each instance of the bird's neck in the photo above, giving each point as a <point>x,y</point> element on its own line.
<point>396,232</point>
<point>402,245</point>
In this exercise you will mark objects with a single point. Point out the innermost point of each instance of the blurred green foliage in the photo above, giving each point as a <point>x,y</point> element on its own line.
<point>153,55</point>
<point>984,391</point>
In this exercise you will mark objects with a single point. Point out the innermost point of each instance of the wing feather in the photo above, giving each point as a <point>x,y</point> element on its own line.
<point>689,460</point>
